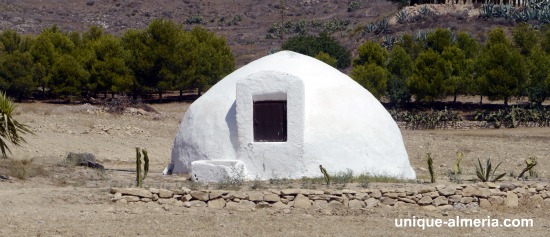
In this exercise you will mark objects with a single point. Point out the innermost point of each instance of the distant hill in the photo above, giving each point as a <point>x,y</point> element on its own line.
<point>252,28</point>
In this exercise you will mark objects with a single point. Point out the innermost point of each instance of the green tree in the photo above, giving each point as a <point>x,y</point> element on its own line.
<point>400,69</point>
<point>539,86</point>
<point>461,71</point>
<point>11,40</point>
<point>430,71</point>
<point>468,44</point>
<point>107,65</point>
<point>69,78</point>
<point>412,47</point>
<point>372,77</point>
<point>371,52</point>
<point>312,45</point>
<point>16,76</point>
<point>10,129</point>
<point>525,38</point>
<point>212,59</point>
<point>439,39</point>
<point>326,58</point>
<point>502,70</point>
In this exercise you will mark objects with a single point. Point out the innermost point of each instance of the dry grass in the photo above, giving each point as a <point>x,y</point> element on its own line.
<point>22,169</point>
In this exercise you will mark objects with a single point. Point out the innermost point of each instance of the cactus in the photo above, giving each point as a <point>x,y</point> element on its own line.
<point>325,174</point>
<point>139,176</point>
<point>430,167</point>
<point>459,156</point>
<point>531,163</point>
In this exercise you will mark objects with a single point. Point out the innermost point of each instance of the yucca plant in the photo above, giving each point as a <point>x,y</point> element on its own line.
<point>10,129</point>
<point>487,173</point>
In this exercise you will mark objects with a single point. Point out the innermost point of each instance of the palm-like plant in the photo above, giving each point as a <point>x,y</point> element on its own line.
<point>10,129</point>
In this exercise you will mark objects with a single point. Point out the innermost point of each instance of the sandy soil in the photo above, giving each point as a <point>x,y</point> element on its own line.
<point>63,200</point>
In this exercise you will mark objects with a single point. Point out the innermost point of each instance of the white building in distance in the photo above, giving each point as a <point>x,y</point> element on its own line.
<point>282,116</point>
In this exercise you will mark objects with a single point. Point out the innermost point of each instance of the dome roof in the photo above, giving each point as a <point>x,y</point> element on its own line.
<point>344,126</point>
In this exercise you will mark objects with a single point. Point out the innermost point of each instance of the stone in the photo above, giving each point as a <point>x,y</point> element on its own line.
<point>441,200</point>
<point>233,195</point>
<point>390,195</point>
<point>426,190</point>
<point>131,198</point>
<point>430,208</point>
<point>122,201</point>
<point>320,197</point>
<point>138,192</point>
<point>217,203</point>
<point>345,201</point>
<point>117,196</point>
<point>302,201</point>
<point>289,198</point>
<point>321,204</point>
<point>484,203</point>
<point>197,203</point>
<point>493,185</point>
<point>496,200</point>
<point>372,202</point>
<point>154,190</point>
<point>294,192</point>
<point>482,185</point>
<point>455,198</point>
<point>280,205</point>
<point>470,191</point>
<point>425,201</point>
<point>387,201</point>
<point>186,204</point>
<point>145,199</point>
<point>165,201</point>
<point>163,193</point>
<point>356,204</point>
<point>546,202</point>
<point>155,197</point>
<point>434,194</point>
<point>376,193</point>
<point>186,190</point>
<point>216,194</point>
<point>536,199</point>
<point>200,195</point>
<point>507,187</point>
<point>406,200</point>
<point>271,197</point>
<point>349,191</point>
<point>447,191</point>
<point>284,200</point>
<point>540,187</point>
<point>186,197</point>
<point>255,196</point>
<point>445,207</point>
<point>512,199</point>
<point>335,205</point>
<point>361,196</point>
<point>466,200</point>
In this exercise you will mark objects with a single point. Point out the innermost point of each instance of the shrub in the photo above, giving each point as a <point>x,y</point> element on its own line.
<point>10,129</point>
<point>487,173</point>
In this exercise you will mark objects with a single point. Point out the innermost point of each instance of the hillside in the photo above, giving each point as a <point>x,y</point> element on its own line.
<point>251,27</point>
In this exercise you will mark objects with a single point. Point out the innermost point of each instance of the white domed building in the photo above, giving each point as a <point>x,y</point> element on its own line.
<point>282,116</point>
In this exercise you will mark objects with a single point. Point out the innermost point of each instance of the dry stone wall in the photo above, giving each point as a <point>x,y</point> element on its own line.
<point>439,197</point>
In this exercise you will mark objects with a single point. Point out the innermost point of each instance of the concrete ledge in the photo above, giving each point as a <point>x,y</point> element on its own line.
<point>217,170</point>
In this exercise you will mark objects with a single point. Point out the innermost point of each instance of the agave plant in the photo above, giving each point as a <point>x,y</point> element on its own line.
<point>487,173</point>
<point>402,16</point>
<point>10,129</point>
<point>383,26</point>
<point>424,10</point>
<point>370,28</point>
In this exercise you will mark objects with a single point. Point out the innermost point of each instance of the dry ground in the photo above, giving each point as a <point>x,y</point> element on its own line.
<point>63,200</point>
